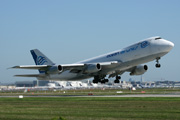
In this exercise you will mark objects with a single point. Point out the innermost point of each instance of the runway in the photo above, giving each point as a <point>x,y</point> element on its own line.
<point>130,96</point>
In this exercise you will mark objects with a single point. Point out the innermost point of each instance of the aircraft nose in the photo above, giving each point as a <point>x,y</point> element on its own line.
<point>171,44</point>
<point>168,45</point>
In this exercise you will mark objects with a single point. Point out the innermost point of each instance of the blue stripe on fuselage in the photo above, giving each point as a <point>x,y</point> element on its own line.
<point>143,44</point>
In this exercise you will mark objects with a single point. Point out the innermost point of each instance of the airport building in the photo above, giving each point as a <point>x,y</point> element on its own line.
<point>89,85</point>
<point>31,83</point>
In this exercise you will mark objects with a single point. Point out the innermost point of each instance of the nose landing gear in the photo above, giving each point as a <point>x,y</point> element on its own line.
<point>157,64</point>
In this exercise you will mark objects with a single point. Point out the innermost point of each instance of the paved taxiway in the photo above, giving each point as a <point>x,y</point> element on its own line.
<point>137,95</point>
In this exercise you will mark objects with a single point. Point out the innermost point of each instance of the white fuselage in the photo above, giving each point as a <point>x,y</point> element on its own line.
<point>133,55</point>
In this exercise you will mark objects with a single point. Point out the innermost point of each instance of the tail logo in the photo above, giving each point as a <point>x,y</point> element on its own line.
<point>41,60</point>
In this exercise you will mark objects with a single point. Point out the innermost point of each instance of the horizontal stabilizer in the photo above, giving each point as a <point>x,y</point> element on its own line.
<point>36,67</point>
<point>31,75</point>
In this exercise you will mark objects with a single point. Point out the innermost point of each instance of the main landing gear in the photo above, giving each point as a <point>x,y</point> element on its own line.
<point>117,79</point>
<point>157,64</point>
<point>100,79</point>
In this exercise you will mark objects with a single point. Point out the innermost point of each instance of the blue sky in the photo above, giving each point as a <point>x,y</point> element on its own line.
<point>68,31</point>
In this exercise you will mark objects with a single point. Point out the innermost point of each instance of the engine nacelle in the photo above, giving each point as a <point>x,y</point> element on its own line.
<point>139,70</point>
<point>55,69</point>
<point>91,68</point>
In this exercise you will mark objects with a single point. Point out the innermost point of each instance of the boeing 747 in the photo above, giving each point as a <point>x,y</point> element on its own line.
<point>130,59</point>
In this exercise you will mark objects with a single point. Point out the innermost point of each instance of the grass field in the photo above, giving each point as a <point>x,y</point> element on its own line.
<point>90,108</point>
<point>93,91</point>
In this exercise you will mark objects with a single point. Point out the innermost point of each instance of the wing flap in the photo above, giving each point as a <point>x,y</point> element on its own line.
<point>108,63</point>
<point>76,68</point>
<point>73,66</point>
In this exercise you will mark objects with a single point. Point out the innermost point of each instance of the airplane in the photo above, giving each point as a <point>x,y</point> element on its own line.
<point>114,64</point>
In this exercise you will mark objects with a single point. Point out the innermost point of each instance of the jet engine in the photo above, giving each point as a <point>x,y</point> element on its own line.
<point>55,69</point>
<point>91,68</point>
<point>139,70</point>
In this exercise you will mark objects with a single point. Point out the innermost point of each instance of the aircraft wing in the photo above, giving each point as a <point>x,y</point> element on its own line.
<point>72,67</point>
<point>46,67</point>
<point>75,68</point>
<point>82,65</point>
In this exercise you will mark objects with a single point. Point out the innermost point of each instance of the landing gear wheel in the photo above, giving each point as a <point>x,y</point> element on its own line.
<point>103,82</point>
<point>118,77</point>
<point>158,65</point>
<point>95,81</point>
<point>106,80</point>
<point>100,79</point>
<point>116,81</point>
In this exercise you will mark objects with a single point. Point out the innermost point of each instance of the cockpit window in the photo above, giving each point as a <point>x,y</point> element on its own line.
<point>157,38</point>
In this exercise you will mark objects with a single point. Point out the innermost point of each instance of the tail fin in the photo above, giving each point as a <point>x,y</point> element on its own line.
<point>40,58</point>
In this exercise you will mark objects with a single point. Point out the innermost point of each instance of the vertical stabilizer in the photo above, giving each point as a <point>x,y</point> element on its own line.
<point>40,58</point>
